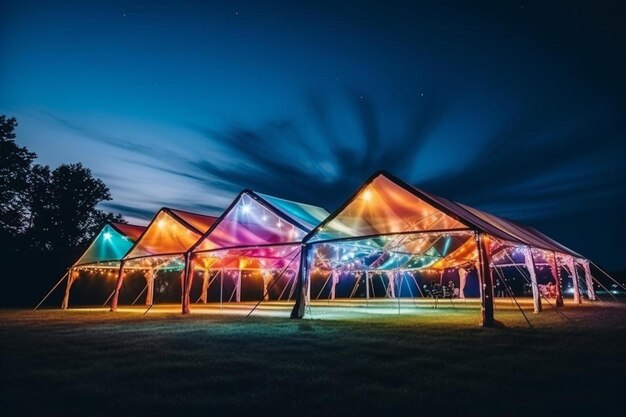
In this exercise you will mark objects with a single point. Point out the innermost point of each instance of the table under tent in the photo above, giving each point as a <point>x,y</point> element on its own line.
<point>253,249</point>
<point>404,241</point>
<point>102,257</point>
<point>161,248</point>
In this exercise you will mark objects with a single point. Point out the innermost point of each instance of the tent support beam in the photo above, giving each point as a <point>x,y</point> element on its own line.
<point>530,265</point>
<point>486,281</point>
<point>118,286</point>
<point>556,275</point>
<point>73,275</point>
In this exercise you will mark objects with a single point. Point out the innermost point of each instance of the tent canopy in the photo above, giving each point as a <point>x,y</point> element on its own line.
<point>255,219</point>
<point>388,224</point>
<point>171,232</point>
<point>110,244</point>
<point>387,205</point>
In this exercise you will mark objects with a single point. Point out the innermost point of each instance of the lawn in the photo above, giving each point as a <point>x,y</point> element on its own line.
<point>340,362</point>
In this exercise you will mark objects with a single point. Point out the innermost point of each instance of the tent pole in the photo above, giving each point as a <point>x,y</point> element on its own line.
<point>187,278</point>
<point>205,286</point>
<point>70,280</point>
<point>462,281</point>
<point>221,287</point>
<point>572,264</point>
<point>238,288</point>
<point>399,289</point>
<point>150,284</point>
<point>118,286</point>
<point>556,274</point>
<point>559,312</point>
<point>530,265</point>
<point>367,285</point>
<point>267,276</point>
<point>417,285</point>
<point>589,279</point>
<point>53,288</point>
<point>323,286</point>
<point>486,281</point>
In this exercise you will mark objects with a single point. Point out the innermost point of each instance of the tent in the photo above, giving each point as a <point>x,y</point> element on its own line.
<point>391,228</point>
<point>104,252</point>
<point>162,247</point>
<point>257,234</point>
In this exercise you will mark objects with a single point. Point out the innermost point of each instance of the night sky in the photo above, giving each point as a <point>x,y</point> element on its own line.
<point>516,107</point>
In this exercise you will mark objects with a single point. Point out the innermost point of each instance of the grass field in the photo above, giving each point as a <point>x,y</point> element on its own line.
<point>342,361</point>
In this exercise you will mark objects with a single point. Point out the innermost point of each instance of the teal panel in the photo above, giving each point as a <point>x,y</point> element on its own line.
<point>109,245</point>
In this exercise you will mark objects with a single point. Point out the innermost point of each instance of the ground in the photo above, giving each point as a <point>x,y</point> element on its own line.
<point>348,360</point>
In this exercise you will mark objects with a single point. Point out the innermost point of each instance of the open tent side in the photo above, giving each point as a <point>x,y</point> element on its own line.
<point>257,234</point>
<point>390,227</point>
<point>162,247</point>
<point>104,252</point>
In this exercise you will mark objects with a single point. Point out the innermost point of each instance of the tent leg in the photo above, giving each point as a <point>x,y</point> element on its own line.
<point>589,280</point>
<point>486,281</point>
<point>118,286</point>
<point>367,285</point>
<point>556,275</point>
<point>70,280</point>
<point>334,278</point>
<point>238,287</point>
<point>572,264</point>
<point>300,305</point>
<point>187,278</point>
<point>530,265</point>
<point>267,276</point>
<point>150,287</point>
<point>221,288</point>
<point>205,286</point>
<point>462,281</point>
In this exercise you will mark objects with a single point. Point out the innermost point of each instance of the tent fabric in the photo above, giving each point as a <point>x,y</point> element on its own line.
<point>200,222</point>
<point>110,244</point>
<point>385,204</point>
<point>255,219</point>
<point>171,232</point>
<point>132,231</point>
<point>382,206</point>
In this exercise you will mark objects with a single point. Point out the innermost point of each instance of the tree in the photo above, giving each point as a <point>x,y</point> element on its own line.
<point>15,169</point>
<point>63,210</point>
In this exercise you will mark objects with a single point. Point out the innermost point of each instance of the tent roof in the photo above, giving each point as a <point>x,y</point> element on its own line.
<point>255,219</point>
<point>131,231</point>
<point>171,232</point>
<point>385,204</point>
<point>110,244</point>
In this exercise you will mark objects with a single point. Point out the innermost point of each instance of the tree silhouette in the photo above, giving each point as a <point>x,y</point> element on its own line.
<point>45,215</point>
<point>15,168</point>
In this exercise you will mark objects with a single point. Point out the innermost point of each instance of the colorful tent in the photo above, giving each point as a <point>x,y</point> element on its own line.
<point>258,234</point>
<point>389,227</point>
<point>105,251</point>
<point>162,247</point>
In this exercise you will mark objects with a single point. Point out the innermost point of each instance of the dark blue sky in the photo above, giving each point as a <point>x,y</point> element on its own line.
<point>514,107</point>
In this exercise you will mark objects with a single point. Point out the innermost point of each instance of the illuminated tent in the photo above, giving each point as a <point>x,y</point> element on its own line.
<point>257,234</point>
<point>393,229</point>
<point>162,247</point>
<point>104,252</point>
